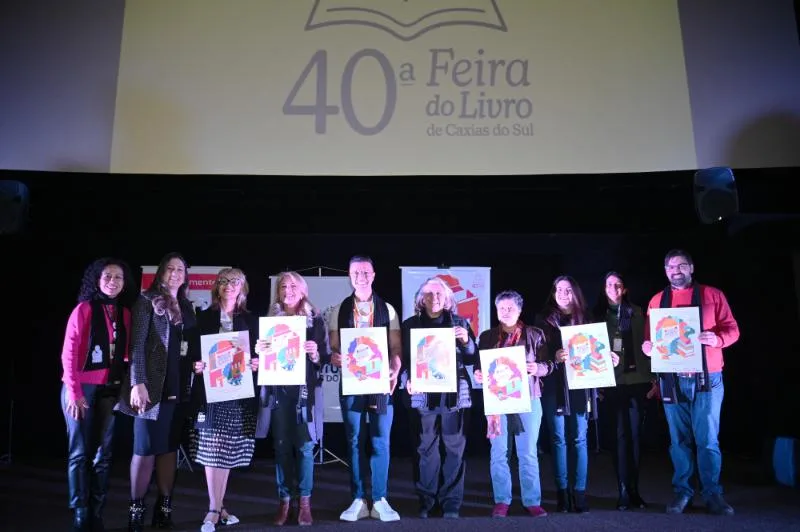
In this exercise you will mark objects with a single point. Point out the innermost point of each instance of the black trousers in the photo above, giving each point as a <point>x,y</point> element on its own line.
<point>89,446</point>
<point>627,405</point>
<point>439,480</point>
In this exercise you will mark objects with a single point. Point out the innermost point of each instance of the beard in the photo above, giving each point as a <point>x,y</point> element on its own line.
<point>680,280</point>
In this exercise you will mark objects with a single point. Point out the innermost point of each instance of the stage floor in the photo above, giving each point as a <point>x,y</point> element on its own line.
<point>33,496</point>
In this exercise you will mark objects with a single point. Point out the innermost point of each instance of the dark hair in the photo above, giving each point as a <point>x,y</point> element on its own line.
<point>552,312</point>
<point>90,284</point>
<point>513,295</point>
<point>671,254</point>
<point>360,258</point>
<point>157,286</point>
<point>602,305</point>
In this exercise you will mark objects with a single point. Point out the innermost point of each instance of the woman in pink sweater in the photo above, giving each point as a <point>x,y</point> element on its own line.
<point>94,358</point>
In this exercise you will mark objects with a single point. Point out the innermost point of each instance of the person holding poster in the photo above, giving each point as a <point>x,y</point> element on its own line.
<point>366,309</point>
<point>440,416</point>
<point>93,360</point>
<point>521,429</point>
<point>223,437</point>
<point>625,322</point>
<point>693,401</point>
<point>295,412</point>
<point>164,346</point>
<point>566,411</point>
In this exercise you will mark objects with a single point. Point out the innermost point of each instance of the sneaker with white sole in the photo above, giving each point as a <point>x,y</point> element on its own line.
<point>381,510</point>
<point>357,510</point>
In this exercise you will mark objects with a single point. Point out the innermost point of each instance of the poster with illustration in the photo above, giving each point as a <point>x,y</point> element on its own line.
<point>227,373</point>
<point>674,333</point>
<point>433,360</point>
<point>284,362</point>
<point>505,381</point>
<point>589,363</point>
<point>365,361</point>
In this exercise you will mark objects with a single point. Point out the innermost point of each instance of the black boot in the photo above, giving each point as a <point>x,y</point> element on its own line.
<point>624,499</point>
<point>636,499</point>
<point>98,502</point>
<point>80,520</point>
<point>580,505</point>
<point>162,513</point>
<point>136,512</point>
<point>563,501</point>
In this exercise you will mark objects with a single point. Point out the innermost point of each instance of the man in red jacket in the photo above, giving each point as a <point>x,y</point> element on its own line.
<point>692,401</point>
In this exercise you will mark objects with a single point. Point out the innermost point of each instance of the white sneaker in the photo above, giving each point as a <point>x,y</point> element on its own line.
<point>381,510</point>
<point>357,510</point>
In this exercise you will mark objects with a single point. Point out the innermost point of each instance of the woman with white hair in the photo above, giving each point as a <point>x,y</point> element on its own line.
<point>440,416</point>
<point>295,412</point>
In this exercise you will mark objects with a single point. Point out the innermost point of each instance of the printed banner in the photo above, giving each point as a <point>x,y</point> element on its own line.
<point>589,363</point>
<point>365,361</point>
<point>505,381</point>
<point>326,292</point>
<point>201,282</point>
<point>471,287</point>
<point>284,362</point>
<point>433,360</point>
<point>227,374</point>
<point>401,87</point>
<point>674,333</point>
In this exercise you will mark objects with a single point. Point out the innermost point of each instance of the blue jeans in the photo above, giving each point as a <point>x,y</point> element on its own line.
<point>89,445</point>
<point>567,431</point>
<point>527,456</point>
<point>294,453</point>
<point>380,427</point>
<point>694,420</point>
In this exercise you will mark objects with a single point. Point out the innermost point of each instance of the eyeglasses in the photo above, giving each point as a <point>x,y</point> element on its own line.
<point>233,282</point>
<point>676,267</point>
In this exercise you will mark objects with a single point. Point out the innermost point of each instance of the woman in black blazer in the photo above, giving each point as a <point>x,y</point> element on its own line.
<point>224,433</point>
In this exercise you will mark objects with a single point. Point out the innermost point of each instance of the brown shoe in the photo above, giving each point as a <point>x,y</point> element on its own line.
<point>283,512</point>
<point>304,513</point>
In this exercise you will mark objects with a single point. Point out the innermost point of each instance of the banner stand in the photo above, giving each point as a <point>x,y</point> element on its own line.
<point>321,452</point>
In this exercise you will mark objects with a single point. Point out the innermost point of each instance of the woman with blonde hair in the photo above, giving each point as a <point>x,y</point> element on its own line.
<point>224,433</point>
<point>295,412</point>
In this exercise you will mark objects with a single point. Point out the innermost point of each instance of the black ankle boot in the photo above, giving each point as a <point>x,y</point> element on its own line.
<point>563,501</point>
<point>580,505</point>
<point>162,513</point>
<point>80,520</point>
<point>624,500</point>
<point>136,516</point>
<point>636,499</point>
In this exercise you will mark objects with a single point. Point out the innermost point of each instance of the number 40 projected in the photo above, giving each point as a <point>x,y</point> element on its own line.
<point>320,108</point>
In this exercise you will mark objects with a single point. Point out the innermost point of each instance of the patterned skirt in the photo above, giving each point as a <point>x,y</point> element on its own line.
<point>229,441</point>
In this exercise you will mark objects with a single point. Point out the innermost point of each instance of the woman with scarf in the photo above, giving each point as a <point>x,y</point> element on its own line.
<point>522,429</point>
<point>440,416</point>
<point>295,412</point>
<point>93,358</point>
<point>224,433</point>
<point>626,401</point>
<point>164,346</point>
<point>566,411</point>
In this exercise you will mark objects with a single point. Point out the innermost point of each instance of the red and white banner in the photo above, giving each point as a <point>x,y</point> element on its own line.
<point>201,282</point>
<point>471,286</point>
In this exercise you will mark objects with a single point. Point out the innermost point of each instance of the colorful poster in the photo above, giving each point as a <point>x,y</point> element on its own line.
<point>674,333</point>
<point>433,360</point>
<point>227,374</point>
<point>471,287</point>
<point>284,363</point>
<point>505,381</point>
<point>201,282</point>
<point>589,363</point>
<point>365,361</point>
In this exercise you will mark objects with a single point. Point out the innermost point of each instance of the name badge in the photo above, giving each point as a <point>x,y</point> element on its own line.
<point>111,350</point>
<point>617,345</point>
<point>184,348</point>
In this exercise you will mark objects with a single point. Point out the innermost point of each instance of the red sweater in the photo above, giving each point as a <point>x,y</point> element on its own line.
<point>717,317</point>
<point>76,349</point>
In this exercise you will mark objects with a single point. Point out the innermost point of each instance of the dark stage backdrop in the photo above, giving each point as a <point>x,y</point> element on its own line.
<point>42,268</point>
